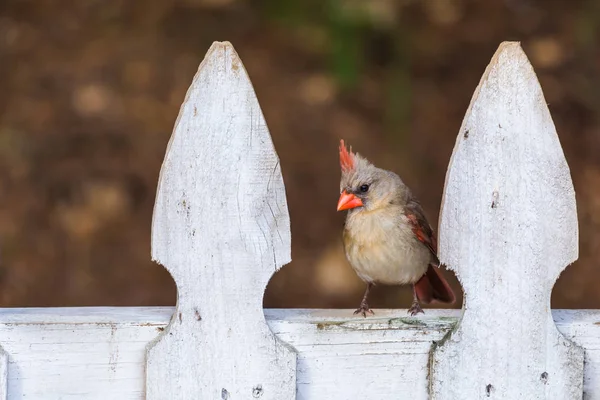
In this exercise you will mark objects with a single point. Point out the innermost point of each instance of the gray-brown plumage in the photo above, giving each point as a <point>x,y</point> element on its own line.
<point>387,238</point>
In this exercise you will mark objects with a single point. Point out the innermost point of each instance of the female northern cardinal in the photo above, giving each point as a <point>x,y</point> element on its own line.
<point>387,238</point>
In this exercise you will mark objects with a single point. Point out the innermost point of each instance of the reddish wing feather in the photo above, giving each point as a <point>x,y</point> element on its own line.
<point>432,286</point>
<point>420,226</point>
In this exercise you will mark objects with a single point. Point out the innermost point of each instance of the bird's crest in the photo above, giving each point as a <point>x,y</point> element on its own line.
<point>347,159</point>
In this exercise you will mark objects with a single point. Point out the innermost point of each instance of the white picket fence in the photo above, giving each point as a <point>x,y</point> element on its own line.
<point>508,227</point>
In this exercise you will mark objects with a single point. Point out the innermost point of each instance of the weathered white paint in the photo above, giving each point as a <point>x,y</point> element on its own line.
<point>3,374</point>
<point>508,227</point>
<point>99,353</point>
<point>79,353</point>
<point>221,228</point>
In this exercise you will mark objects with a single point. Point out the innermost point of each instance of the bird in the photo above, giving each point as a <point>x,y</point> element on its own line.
<point>387,238</point>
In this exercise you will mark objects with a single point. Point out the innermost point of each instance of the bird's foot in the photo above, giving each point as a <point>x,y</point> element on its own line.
<point>364,309</point>
<point>415,309</point>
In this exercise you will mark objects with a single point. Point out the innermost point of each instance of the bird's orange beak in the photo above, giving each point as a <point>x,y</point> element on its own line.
<point>348,201</point>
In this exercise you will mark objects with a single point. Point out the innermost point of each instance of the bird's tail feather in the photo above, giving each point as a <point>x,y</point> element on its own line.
<point>433,287</point>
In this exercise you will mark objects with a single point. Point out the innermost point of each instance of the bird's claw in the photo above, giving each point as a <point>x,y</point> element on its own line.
<point>364,309</point>
<point>415,309</point>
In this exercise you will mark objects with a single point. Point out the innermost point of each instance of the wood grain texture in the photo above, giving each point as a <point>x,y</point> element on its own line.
<point>508,227</point>
<point>94,353</point>
<point>221,228</point>
<point>79,353</point>
<point>344,357</point>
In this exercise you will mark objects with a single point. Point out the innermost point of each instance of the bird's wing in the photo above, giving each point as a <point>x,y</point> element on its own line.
<point>432,285</point>
<point>420,226</point>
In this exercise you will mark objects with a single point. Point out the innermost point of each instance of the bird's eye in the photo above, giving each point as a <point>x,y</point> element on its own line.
<point>364,188</point>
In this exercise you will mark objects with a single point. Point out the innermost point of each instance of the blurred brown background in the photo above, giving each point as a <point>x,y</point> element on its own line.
<point>90,90</point>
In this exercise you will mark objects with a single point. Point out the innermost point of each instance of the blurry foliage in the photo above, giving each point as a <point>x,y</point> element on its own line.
<point>354,31</point>
<point>587,36</point>
<point>588,24</point>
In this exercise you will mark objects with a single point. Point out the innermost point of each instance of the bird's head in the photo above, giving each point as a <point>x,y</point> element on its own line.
<point>363,186</point>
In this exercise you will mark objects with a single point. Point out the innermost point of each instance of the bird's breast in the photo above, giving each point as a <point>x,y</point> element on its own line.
<point>383,249</point>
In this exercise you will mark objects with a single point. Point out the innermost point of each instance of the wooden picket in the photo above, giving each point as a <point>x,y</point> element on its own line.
<point>508,227</point>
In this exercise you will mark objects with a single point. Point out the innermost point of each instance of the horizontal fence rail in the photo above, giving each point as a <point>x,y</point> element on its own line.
<point>100,353</point>
<point>508,228</point>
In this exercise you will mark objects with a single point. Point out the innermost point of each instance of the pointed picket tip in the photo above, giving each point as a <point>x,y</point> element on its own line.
<point>507,171</point>
<point>508,227</point>
<point>221,228</point>
<point>214,148</point>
